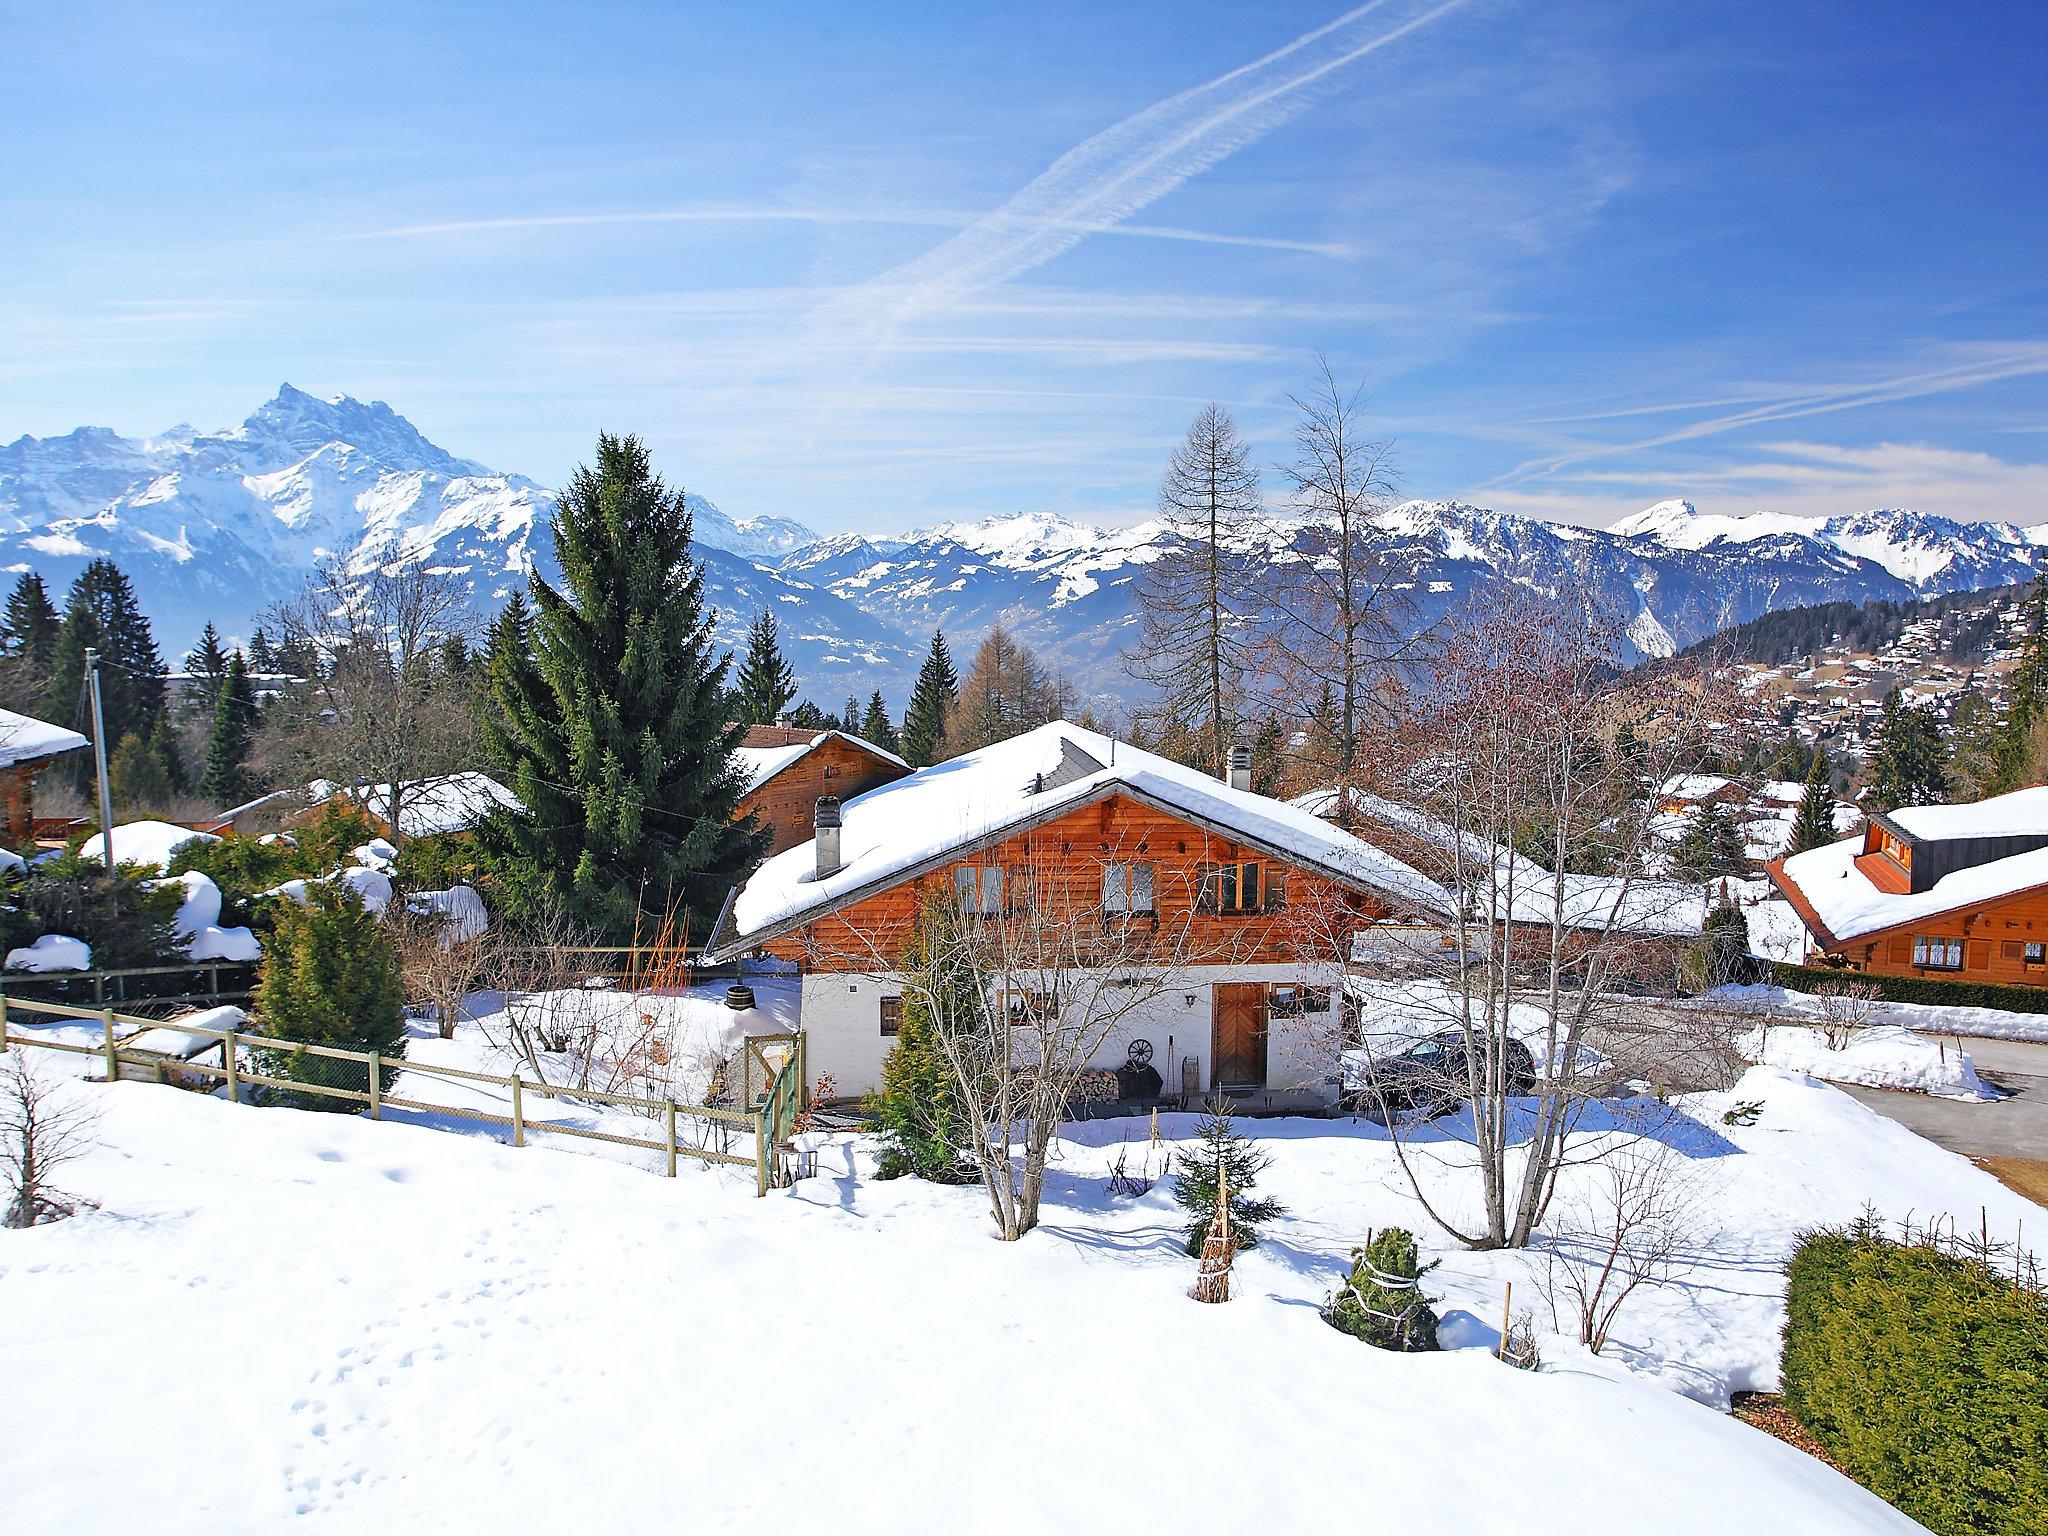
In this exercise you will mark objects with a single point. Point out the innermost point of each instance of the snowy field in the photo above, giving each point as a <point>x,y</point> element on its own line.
<point>390,1328</point>
<point>1880,1056</point>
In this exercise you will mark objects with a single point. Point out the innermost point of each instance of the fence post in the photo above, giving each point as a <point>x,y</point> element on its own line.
<point>376,1086</point>
<point>670,1108</point>
<point>113,1060</point>
<point>3,1023</point>
<point>760,1152</point>
<point>213,979</point>
<point>227,1060</point>
<point>803,1072</point>
<point>518,1114</point>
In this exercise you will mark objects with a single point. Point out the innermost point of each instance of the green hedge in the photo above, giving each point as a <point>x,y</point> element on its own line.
<point>1917,989</point>
<point>1925,1374</point>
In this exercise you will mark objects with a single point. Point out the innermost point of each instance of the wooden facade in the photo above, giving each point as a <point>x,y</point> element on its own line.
<point>2003,941</point>
<point>839,765</point>
<point>1160,884</point>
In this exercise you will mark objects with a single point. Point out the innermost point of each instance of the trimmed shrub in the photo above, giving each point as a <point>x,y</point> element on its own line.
<point>1381,1300</point>
<point>330,977</point>
<point>1916,989</point>
<point>1924,1372</point>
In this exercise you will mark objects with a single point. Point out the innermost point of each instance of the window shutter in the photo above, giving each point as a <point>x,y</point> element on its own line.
<point>2011,949</point>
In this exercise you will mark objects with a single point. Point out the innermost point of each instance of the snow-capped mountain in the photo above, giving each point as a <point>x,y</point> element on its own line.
<point>218,525</point>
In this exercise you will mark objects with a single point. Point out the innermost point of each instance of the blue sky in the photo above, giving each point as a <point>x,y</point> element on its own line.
<point>875,266</point>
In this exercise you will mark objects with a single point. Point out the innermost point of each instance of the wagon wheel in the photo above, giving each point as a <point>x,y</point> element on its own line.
<point>1141,1053</point>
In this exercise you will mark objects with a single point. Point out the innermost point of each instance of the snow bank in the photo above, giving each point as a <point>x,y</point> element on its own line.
<point>1879,1056</point>
<point>1925,1018</point>
<point>150,843</point>
<point>199,920</point>
<point>378,853</point>
<point>170,1040</point>
<point>462,908</point>
<point>52,952</point>
<point>372,886</point>
<point>400,1295</point>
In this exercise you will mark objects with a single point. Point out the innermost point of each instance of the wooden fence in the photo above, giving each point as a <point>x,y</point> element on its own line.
<point>767,1125</point>
<point>196,981</point>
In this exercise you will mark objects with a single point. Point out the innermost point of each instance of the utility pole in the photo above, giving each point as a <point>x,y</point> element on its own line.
<point>99,758</point>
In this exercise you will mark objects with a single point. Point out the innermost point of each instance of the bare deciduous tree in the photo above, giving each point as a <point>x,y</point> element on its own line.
<point>1196,600</point>
<point>381,709</point>
<point>439,964</point>
<point>41,1129</point>
<point>1845,1009</point>
<point>1629,1224</point>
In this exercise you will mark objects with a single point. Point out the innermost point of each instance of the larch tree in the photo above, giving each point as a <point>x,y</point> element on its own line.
<point>1342,605</point>
<point>1006,692</point>
<point>611,730</point>
<point>931,701</point>
<point>1195,601</point>
<point>766,682</point>
<point>878,728</point>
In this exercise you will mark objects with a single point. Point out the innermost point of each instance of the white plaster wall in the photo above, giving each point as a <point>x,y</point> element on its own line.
<point>842,1020</point>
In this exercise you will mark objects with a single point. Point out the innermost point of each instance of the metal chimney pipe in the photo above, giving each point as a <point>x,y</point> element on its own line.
<point>1241,768</point>
<point>825,833</point>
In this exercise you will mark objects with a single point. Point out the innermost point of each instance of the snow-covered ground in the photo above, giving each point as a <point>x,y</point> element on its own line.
<point>1926,1018</point>
<point>1881,1056</point>
<point>385,1328</point>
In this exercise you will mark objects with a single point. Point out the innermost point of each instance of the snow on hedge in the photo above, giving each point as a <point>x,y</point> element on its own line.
<point>1879,1056</point>
<point>398,1330</point>
<point>150,843</point>
<point>372,885</point>
<point>199,920</point>
<point>52,952</point>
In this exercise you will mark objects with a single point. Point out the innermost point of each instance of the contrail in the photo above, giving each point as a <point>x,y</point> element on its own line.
<point>1104,180</point>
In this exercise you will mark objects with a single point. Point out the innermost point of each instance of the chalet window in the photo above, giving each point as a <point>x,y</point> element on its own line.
<point>980,889</point>
<point>892,1016</point>
<point>1127,890</point>
<point>1241,887</point>
<point>1937,954</point>
<point>1284,1000</point>
<point>2037,954</point>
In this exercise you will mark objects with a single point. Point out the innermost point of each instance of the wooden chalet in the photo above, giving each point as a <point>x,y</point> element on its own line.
<point>788,769</point>
<point>1958,891</point>
<point>27,747</point>
<point>1238,910</point>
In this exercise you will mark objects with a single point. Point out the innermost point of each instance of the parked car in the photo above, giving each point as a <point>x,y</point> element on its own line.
<point>1430,1076</point>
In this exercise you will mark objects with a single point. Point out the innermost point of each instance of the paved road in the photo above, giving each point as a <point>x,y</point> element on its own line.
<point>2016,1127</point>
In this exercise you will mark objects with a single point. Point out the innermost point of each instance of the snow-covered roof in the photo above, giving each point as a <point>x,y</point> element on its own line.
<point>982,796</point>
<point>454,802</point>
<point>760,764</point>
<point>144,842</point>
<point>23,738</point>
<point>1528,890</point>
<point>2023,813</point>
<point>1693,786</point>
<point>1848,906</point>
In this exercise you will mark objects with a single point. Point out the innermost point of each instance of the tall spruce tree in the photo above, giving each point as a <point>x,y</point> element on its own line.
<point>612,732</point>
<point>1909,764</point>
<point>234,727</point>
<point>1814,825</point>
<point>101,614</point>
<point>208,660</point>
<point>1711,846</point>
<point>877,727</point>
<point>28,644</point>
<point>931,701</point>
<point>766,682</point>
<point>262,654</point>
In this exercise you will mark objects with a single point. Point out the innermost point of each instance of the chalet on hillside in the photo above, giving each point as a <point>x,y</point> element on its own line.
<point>1243,906</point>
<point>1959,891</point>
<point>27,747</point>
<point>788,769</point>
<point>1690,791</point>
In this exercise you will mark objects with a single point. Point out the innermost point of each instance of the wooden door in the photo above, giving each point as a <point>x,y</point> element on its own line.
<point>1237,1052</point>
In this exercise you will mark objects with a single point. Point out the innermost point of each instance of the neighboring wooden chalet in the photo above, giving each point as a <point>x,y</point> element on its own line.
<point>453,802</point>
<point>1247,904</point>
<point>1690,791</point>
<point>27,747</point>
<point>788,769</point>
<point>1933,890</point>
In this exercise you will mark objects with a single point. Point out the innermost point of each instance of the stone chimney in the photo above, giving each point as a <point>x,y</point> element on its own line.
<point>825,830</point>
<point>1241,768</point>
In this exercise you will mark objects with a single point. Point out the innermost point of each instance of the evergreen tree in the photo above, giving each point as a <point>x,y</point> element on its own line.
<point>808,717</point>
<point>2026,690</point>
<point>329,977</point>
<point>138,778</point>
<point>208,660</point>
<point>918,1105</point>
<point>29,644</point>
<point>163,741</point>
<point>1711,846</point>
<point>1977,754</point>
<point>931,701</point>
<point>1908,766</point>
<point>1269,757</point>
<point>262,654</point>
<point>1814,826</point>
<point>612,731</point>
<point>101,613</point>
<point>1381,1300</point>
<point>766,682</point>
<point>1194,1182</point>
<point>234,727</point>
<point>877,727</point>
<point>455,659</point>
<point>849,719</point>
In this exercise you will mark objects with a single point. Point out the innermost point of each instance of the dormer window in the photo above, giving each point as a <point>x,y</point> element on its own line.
<point>1893,847</point>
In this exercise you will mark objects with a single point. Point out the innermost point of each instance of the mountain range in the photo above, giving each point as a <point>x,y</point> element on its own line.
<point>219,525</point>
